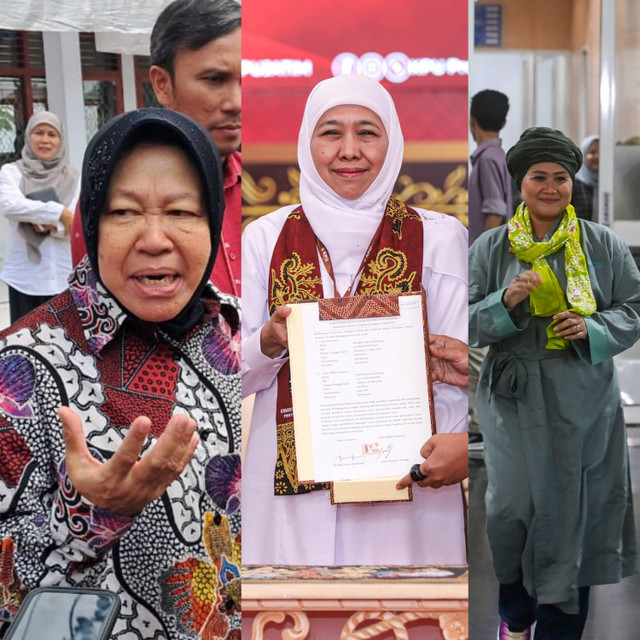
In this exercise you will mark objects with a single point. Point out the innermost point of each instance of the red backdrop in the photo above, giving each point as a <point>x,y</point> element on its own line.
<point>417,48</point>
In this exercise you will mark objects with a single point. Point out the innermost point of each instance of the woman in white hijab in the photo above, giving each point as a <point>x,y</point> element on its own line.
<point>350,152</point>
<point>38,194</point>
<point>585,187</point>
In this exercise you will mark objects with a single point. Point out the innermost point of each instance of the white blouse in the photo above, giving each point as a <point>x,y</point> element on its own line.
<point>308,529</point>
<point>49,276</point>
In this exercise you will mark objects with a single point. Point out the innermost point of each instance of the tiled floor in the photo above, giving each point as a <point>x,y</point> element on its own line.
<point>613,613</point>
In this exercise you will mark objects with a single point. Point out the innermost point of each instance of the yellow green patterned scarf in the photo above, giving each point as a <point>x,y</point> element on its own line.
<point>549,298</point>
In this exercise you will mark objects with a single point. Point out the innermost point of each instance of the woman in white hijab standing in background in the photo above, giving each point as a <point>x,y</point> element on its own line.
<point>38,194</point>
<point>350,152</point>
<point>585,187</point>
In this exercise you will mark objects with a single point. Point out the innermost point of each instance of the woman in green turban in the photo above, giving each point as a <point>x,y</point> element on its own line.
<point>555,298</point>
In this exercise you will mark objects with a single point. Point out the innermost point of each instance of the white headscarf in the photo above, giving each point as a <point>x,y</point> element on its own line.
<point>346,227</point>
<point>585,174</point>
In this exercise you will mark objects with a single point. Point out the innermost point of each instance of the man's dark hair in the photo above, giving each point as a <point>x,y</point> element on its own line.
<point>490,109</point>
<point>190,25</point>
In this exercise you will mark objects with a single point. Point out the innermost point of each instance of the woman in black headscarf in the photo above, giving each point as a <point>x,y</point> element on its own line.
<point>138,351</point>
<point>555,298</point>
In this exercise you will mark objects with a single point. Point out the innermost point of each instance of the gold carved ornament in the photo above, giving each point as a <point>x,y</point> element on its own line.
<point>454,625</point>
<point>262,197</point>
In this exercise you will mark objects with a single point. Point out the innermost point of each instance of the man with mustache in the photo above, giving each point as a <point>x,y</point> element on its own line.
<point>196,69</point>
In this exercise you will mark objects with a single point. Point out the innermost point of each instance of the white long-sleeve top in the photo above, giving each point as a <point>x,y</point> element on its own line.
<point>49,276</point>
<point>307,528</point>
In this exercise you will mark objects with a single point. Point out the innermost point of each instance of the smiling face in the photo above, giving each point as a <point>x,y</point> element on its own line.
<point>205,85</point>
<point>45,142</point>
<point>348,147</point>
<point>153,239</point>
<point>546,191</point>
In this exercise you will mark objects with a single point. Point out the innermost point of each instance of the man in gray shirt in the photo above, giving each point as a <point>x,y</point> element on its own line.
<point>490,205</point>
<point>490,202</point>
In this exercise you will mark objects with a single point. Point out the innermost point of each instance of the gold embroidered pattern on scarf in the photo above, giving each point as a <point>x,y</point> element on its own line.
<point>387,274</point>
<point>398,212</point>
<point>286,464</point>
<point>296,282</point>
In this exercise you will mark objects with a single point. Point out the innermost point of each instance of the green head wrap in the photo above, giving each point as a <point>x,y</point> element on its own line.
<point>541,144</point>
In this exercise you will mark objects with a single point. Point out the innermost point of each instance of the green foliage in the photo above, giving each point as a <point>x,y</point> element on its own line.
<point>6,118</point>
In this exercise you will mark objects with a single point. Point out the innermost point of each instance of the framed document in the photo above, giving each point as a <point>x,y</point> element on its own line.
<point>362,392</point>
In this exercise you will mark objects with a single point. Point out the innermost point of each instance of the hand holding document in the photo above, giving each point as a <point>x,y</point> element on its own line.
<point>446,461</point>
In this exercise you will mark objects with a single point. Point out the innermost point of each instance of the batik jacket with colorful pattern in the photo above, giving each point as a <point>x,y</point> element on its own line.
<point>176,565</point>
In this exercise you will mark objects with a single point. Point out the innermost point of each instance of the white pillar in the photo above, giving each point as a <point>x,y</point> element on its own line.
<point>607,117</point>
<point>128,81</point>
<point>64,88</point>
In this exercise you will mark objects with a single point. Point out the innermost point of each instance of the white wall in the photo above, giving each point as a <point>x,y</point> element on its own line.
<point>536,84</point>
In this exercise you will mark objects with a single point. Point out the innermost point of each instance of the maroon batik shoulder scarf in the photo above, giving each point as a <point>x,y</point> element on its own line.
<point>393,264</point>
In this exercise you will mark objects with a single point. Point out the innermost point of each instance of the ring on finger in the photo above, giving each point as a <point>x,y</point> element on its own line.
<point>416,474</point>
